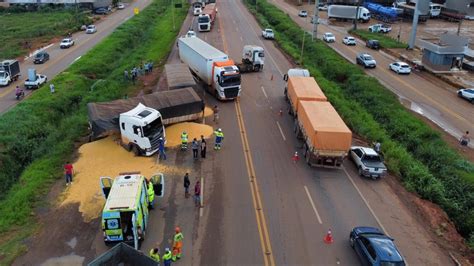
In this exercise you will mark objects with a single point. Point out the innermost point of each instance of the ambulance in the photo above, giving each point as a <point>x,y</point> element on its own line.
<point>125,214</point>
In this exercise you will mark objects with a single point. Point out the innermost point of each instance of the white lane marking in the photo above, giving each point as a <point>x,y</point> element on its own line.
<point>312,205</point>
<point>365,201</point>
<point>79,57</point>
<point>264,93</point>
<point>126,18</point>
<point>281,131</point>
<point>202,198</point>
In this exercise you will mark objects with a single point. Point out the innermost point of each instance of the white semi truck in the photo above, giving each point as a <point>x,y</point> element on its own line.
<point>253,59</point>
<point>343,12</point>
<point>211,66</point>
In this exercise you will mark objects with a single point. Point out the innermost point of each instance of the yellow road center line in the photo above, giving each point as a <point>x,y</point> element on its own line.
<point>257,202</point>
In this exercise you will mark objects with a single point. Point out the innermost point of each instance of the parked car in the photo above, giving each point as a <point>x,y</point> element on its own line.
<point>366,60</point>
<point>322,7</point>
<point>101,11</point>
<point>66,43</point>
<point>383,28</point>
<point>373,44</point>
<point>400,68</point>
<point>348,40</point>
<point>120,6</point>
<point>374,247</point>
<point>191,33</point>
<point>41,57</point>
<point>467,94</point>
<point>329,37</point>
<point>91,29</point>
<point>303,13</point>
<point>268,34</point>
<point>368,162</point>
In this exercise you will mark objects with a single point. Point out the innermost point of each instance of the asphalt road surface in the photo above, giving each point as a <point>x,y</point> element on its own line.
<point>260,208</point>
<point>60,59</point>
<point>420,92</point>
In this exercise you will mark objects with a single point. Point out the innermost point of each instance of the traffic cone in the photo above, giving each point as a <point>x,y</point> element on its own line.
<point>328,238</point>
<point>296,157</point>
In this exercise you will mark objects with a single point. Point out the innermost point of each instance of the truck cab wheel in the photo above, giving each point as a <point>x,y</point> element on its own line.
<point>257,68</point>
<point>135,150</point>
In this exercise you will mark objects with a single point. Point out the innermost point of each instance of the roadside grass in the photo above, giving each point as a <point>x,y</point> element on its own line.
<point>413,151</point>
<point>39,134</point>
<point>34,27</point>
<point>385,40</point>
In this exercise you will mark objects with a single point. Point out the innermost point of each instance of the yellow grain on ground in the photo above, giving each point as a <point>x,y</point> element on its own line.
<point>194,130</point>
<point>208,111</point>
<point>106,158</point>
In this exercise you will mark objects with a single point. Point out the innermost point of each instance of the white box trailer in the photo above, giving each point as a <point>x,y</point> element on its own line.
<point>211,66</point>
<point>348,12</point>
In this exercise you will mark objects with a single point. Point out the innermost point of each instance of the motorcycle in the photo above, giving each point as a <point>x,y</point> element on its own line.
<point>20,94</point>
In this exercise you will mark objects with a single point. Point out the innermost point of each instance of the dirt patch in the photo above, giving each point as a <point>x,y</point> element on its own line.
<point>194,130</point>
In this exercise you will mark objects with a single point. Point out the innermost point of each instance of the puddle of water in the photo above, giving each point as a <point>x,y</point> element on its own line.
<point>72,243</point>
<point>70,260</point>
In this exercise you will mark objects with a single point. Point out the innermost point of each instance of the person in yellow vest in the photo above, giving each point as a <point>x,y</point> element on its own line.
<point>167,257</point>
<point>151,194</point>
<point>155,255</point>
<point>184,141</point>
<point>219,139</point>
<point>177,243</point>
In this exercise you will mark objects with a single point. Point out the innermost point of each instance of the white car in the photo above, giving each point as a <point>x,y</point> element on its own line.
<point>191,33</point>
<point>368,162</point>
<point>348,40</point>
<point>66,43</point>
<point>120,6</point>
<point>303,13</point>
<point>329,37</point>
<point>467,94</point>
<point>268,34</point>
<point>380,28</point>
<point>323,7</point>
<point>91,29</point>
<point>400,68</point>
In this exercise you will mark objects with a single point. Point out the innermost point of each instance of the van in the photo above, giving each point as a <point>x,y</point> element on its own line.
<point>125,214</point>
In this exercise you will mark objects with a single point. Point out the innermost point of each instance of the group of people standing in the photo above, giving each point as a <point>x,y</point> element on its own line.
<point>138,71</point>
<point>197,190</point>
<point>169,256</point>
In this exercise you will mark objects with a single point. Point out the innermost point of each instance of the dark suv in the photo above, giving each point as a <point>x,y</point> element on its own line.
<point>41,57</point>
<point>101,11</point>
<point>374,248</point>
<point>373,44</point>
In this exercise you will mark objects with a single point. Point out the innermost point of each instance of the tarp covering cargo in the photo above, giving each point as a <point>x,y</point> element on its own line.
<point>104,117</point>
<point>179,76</point>
<point>304,89</point>
<point>122,254</point>
<point>324,127</point>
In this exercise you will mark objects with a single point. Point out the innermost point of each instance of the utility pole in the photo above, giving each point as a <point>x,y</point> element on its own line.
<point>459,26</point>
<point>357,15</point>
<point>315,20</point>
<point>302,47</point>
<point>411,42</point>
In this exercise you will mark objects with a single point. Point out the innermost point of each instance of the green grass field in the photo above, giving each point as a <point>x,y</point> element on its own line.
<point>35,27</point>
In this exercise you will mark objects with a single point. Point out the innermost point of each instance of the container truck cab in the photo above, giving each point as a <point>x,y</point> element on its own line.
<point>294,72</point>
<point>141,128</point>
<point>253,58</point>
<point>125,213</point>
<point>204,22</point>
<point>9,72</point>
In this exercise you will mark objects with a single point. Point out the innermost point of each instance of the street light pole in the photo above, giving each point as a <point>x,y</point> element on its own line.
<point>302,47</point>
<point>357,15</point>
<point>315,20</point>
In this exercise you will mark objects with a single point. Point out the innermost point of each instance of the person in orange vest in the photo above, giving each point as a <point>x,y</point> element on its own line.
<point>177,244</point>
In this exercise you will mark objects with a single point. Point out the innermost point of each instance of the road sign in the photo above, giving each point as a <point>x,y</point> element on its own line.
<point>136,10</point>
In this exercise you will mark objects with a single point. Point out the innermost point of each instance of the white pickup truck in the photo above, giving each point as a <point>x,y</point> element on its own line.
<point>36,83</point>
<point>268,34</point>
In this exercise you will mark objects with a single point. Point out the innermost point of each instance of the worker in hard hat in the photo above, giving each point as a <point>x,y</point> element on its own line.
<point>155,255</point>
<point>177,243</point>
<point>219,138</point>
<point>167,257</point>
<point>184,141</point>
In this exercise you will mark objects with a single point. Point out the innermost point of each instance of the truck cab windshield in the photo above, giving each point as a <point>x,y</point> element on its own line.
<point>153,129</point>
<point>203,19</point>
<point>232,80</point>
<point>2,74</point>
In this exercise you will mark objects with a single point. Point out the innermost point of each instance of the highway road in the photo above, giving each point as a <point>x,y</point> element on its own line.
<point>419,92</point>
<point>260,208</point>
<point>60,59</point>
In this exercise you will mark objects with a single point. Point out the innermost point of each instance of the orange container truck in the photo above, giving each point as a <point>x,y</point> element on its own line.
<point>302,89</point>
<point>326,137</point>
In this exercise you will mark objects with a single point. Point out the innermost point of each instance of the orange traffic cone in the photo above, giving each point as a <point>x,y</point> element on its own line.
<point>328,238</point>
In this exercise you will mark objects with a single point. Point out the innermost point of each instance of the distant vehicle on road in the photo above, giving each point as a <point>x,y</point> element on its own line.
<point>400,68</point>
<point>382,28</point>
<point>120,6</point>
<point>467,94</point>
<point>66,43</point>
<point>268,34</point>
<point>374,247</point>
<point>34,80</point>
<point>329,37</point>
<point>348,40</point>
<point>41,57</point>
<point>368,162</point>
<point>101,11</point>
<point>91,29</point>
<point>373,44</point>
<point>303,13</point>
<point>9,71</point>
<point>191,33</point>
<point>346,12</point>
<point>366,60</point>
<point>322,7</point>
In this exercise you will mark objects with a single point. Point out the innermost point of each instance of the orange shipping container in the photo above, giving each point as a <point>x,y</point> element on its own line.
<point>304,89</point>
<point>324,127</point>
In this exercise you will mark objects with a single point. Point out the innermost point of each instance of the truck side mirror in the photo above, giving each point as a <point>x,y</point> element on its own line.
<point>285,77</point>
